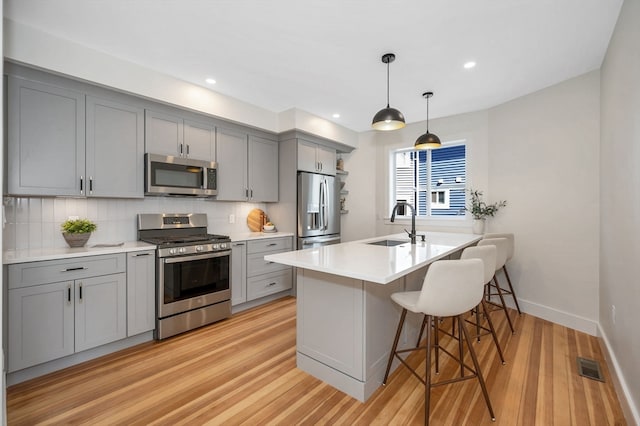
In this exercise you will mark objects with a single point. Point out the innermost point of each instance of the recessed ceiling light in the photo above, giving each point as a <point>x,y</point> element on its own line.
<point>210,81</point>
<point>336,115</point>
<point>469,65</point>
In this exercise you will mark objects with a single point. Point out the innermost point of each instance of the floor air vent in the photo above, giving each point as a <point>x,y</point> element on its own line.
<point>589,368</point>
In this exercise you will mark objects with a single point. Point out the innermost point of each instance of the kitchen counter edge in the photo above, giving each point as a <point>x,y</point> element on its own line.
<point>35,255</point>
<point>245,236</point>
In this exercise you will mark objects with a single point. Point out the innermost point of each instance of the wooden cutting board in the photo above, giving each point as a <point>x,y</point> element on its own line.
<point>255,220</point>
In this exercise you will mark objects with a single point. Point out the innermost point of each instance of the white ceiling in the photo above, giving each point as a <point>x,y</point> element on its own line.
<point>324,56</point>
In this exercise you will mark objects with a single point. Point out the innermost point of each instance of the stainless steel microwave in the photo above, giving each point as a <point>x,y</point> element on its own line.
<point>167,175</point>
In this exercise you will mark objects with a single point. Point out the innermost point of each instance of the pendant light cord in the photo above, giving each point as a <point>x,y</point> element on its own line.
<point>428,114</point>
<point>388,61</point>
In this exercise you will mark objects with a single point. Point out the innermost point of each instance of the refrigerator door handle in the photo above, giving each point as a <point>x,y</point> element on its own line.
<point>325,215</point>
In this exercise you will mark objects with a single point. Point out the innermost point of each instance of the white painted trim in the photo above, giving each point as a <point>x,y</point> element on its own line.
<point>631,412</point>
<point>556,316</point>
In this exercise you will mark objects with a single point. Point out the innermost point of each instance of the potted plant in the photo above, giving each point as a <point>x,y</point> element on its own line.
<point>76,232</point>
<point>481,210</point>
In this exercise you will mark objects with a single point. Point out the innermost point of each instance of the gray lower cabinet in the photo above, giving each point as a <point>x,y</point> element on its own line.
<point>264,277</point>
<point>63,143</point>
<point>59,307</point>
<point>238,272</point>
<point>247,167</point>
<point>141,292</point>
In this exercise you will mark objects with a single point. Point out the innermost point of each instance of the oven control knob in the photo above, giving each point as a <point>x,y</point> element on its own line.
<point>182,250</point>
<point>223,246</point>
<point>216,246</point>
<point>172,251</point>
<point>199,248</point>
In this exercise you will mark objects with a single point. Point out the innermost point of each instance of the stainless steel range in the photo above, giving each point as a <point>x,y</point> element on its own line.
<point>192,271</point>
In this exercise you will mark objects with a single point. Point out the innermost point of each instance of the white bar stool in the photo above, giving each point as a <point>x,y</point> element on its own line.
<point>510,249</point>
<point>450,289</point>
<point>501,257</point>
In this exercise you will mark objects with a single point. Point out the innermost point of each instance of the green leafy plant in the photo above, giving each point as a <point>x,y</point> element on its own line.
<point>78,226</point>
<point>481,210</point>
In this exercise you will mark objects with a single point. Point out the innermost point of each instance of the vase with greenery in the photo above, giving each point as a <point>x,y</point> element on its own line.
<point>76,232</point>
<point>481,210</point>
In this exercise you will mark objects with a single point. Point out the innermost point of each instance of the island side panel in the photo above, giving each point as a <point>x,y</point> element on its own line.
<point>330,317</point>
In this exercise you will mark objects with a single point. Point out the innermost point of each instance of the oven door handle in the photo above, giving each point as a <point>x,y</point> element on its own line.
<point>189,258</point>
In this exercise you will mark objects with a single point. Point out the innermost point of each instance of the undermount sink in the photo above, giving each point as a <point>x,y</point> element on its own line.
<point>387,243</point>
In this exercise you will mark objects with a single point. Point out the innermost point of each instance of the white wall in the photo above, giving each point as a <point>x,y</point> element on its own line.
<point>543,159</point>
<point>620,202</point>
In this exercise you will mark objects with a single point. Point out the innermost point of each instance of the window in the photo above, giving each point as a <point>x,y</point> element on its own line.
<point>432,181</point>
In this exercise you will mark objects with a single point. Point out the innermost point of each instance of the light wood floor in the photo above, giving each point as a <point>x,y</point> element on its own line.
<point>242,371</point>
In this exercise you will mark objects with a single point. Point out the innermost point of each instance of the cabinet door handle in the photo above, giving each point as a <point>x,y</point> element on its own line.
<point>180,150</point>
<point>79,268</point>
<point>80,290</point>
<point>187,150</point>
<point>81,184</point>
<point>142,254</point>
<point>69,294</point>
<point>268,262</point>
<point>246,192</point>
<point>251,192</point>
<point>90,184</point>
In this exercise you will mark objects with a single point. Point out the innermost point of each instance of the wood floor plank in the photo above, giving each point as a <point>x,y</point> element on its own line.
<point>242,371</point>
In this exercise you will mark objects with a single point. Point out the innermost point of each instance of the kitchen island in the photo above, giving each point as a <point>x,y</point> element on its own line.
<point>345,317</point>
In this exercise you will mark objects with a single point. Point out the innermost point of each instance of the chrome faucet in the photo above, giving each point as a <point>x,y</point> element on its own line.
<point>412,234</point>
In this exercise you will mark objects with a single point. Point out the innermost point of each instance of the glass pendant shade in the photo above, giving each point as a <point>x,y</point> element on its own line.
<point>388,118</point>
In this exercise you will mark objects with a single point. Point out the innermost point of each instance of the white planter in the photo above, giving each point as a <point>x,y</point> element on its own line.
<point>478,226</point>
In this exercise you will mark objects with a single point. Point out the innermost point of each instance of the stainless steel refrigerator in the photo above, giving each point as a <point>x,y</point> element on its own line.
<point>318,210</point>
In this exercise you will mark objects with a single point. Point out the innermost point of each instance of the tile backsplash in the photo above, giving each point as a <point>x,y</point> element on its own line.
<point>32,223</point>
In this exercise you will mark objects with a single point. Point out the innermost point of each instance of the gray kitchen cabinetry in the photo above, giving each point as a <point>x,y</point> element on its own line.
<point>46,142</point>
<point>264,277</point>
<point>169,134</point>
<point>247,167</point>
<point>49,153</point>
<point>238,272</point>
<point>59,307</point>
<point>316,158</point>
<point>114,149</point>
<point>141,292</point>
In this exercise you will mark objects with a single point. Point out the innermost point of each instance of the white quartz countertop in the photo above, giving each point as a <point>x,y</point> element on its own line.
<point>378,264</point>
<point>34,255</point>
<point>244,236</point>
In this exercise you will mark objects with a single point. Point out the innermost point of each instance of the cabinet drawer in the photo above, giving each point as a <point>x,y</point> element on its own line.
<point>50,271</point>
<point>256,265</point>
<point>266,284</point>
<point>270,244</point>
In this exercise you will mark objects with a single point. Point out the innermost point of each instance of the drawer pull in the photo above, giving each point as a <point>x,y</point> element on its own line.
<point>271,284</point>
<point>142,254</point>
<point>79,268</point>
<point>269,263</point>
<point>272,244</point>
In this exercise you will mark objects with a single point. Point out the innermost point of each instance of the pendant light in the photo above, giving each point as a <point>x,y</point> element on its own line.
<point>428,140</point>
<point>388,118</point>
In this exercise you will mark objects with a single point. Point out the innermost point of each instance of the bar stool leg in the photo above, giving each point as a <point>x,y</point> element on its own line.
<point>427,380</point>
<point>504,306</point>
<point>513,293</point>
<point>436,345</point>
<point>477,367</point>
<point>424,322</point>
<point>493,331</point>
<point>395,345</point>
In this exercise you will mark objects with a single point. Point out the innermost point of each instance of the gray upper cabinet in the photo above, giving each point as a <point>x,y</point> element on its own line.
<point>46,139</point>
<point>231,155</point>
<point>169,134</point>
<point>247,167</point>
<point>316,158</point>
<point>115,136</point>
<point>63,143</point>
<point>263,169</point>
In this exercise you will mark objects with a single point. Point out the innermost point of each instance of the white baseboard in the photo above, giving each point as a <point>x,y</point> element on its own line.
<point>631,412</point>
<point>566,319</point>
